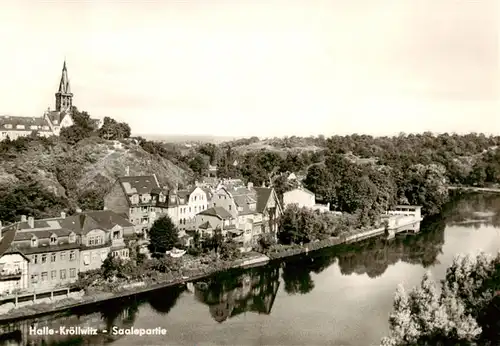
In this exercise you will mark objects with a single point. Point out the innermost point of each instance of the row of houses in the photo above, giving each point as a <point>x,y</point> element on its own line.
<point>43,254</point>
<point>242,212</point>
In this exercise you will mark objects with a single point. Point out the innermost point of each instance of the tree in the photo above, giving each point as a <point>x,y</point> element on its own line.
<point>462,314</point>
<point>198,164</point>
<point>163,235</point>
<point>83,127</point>
<point>92,199</point>
<point>112,130</point>
<point>112,267</point>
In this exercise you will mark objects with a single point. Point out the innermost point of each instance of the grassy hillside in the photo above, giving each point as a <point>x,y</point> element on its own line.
<point>76,173</point>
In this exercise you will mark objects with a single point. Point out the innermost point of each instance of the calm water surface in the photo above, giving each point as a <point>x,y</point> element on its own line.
<point>340,296</point>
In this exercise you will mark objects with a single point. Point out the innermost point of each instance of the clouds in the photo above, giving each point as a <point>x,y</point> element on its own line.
<point>339,64</point>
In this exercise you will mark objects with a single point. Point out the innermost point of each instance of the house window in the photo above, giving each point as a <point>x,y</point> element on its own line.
<point>195,198</point>
<point>116,235</point>
<point>63,256</point>
<point>53,275</point>
<point>94,256</point>
<point>52,257</point>
<point>34,278</point>
<point>34,242</point>
<point>86,259</point>
<point>45,276</point>
<point>44,258</point>
<point>35,259</point>
<point>72,273</point>
<point>95,240</point>
<point>62,273</point>
<point>53,240</point>
<point>229,207</point>
<point>72,256</point>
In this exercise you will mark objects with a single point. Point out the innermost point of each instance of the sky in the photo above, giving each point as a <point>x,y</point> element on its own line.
<point>256,67</point>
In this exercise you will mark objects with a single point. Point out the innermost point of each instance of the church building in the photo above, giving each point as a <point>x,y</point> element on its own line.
<point>52,121</point>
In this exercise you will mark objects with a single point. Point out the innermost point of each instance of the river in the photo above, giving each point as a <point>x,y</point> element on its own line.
<point>340,296</point>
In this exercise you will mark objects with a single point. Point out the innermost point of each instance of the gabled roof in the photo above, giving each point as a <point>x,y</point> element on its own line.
<point>8,235</point>
<point>205,225</point>
<point>39,122</point>
<point>81,223</point>
<point>41,234</point>
<point>108,219</point>
<point>56,117</point>
<point>219,212</point>
<point>263,195</point>
<point>138,184</point>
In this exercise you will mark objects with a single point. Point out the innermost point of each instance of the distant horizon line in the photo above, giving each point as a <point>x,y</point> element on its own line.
<point>228,137</point>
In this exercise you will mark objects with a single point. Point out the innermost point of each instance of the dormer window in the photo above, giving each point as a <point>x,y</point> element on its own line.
<point>53,239</point>
<point>72,238</point>
<point>135,199</point>
<point>8,126</point>
<point>20,127</point>
<point>34,241</point>
<point>33,127</point>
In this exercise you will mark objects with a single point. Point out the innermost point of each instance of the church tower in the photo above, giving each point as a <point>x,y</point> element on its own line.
<point>64,97</point>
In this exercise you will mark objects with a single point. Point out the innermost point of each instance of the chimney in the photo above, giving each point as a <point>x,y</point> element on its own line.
<point>196,183</point>
<point>31,221</point>
<point>127,171</point>
<point>23,218</point>
<point>63,215</point>
<point>250,185</point>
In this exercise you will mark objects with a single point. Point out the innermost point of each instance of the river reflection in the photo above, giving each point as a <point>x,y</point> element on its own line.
<point>296,301</point>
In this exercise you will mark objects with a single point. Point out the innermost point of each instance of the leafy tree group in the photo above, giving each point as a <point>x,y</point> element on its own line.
<point>163,235</point>
<point>85,127</point>
<point>464,312</point>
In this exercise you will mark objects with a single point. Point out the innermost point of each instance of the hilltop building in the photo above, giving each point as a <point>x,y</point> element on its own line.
<point>52,121</point>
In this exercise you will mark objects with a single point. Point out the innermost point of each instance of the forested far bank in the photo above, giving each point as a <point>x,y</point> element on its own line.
<point>357,174</point>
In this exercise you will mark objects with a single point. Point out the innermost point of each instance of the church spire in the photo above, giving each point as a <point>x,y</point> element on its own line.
<point>64,84</point>
<point>64,97</point>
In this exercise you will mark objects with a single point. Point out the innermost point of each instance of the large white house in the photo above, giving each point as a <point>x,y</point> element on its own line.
<point>302,197</point>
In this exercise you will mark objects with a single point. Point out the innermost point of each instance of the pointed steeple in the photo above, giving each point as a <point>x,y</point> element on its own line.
<point>64,96</point>
<point>64,84</point>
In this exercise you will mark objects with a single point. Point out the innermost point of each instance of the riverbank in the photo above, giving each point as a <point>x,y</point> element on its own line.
<point>133,288</point>
<point>475,189</point>
<point>188,275</point>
